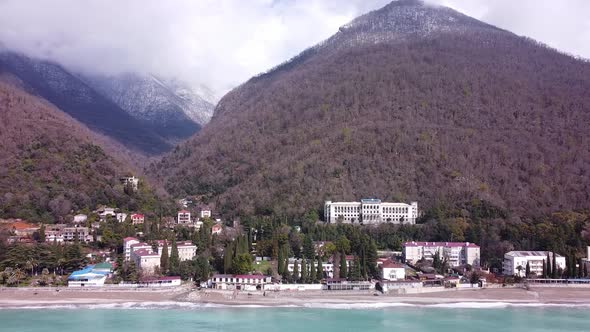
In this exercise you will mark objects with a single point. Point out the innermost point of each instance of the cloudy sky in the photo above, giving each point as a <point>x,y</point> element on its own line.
<point>222,43</point>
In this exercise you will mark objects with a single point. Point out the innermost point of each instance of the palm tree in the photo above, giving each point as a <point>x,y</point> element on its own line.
<point>519,268</point>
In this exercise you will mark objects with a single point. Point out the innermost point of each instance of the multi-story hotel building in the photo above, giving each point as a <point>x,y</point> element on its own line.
<point>455,253</point>
<point>515,262</point>
<point>370,211</point>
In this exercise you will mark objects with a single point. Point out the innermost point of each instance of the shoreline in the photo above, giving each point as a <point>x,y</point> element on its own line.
<point>40,298</point>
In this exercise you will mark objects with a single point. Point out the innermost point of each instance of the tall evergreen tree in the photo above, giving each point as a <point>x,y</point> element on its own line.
<point>303,272</point>
<point>164,261</point>
<point>308,248</point>
<point>174,259</point>
<point>580,268</point>
<point>228,257</point>
<point>554,266</point>
<point>42,233</point>
<point>528,269</point>
<point>320,270</point>
<point>296,275</point>
<point>343,270</point>
<point>355,270</point>
<point>549,271</point>
<point>544,273</point>
<point>280,262</point>
<point>312,272</point>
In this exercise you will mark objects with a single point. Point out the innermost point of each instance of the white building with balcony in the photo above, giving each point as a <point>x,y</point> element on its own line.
<point>455,253</point>
<point>515,262</point>
<point>370,211</point>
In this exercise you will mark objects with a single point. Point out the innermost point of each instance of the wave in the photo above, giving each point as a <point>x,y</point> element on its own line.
<point>334,306</point>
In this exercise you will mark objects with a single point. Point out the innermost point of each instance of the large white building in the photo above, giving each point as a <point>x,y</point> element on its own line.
<point>146,258</point>
<point>370,211</point>
<point>515,262</point>
<point>455,253</point>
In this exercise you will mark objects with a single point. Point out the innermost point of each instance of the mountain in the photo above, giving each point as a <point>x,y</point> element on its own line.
<point>74,97</point>
<point>170,108</point>
<point>409,102</point>
<point>52,165</point>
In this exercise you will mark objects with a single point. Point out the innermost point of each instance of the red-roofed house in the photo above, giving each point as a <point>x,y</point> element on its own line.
<point>392,271</point>
<point>137,218</point>
<point>146,259</point>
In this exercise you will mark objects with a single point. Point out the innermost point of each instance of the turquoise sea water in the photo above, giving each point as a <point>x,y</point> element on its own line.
<point>415,319</point>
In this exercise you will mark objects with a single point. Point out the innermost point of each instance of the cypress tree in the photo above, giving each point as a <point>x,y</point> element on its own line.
<point>580,268</point>
<point>354,274</point>
<point>164,262</point>
<point>174,259</point>
<point>528,269</point>
<point>544,270</point>
<point>320,270</point>
<point>286,275</point>
<point>549,271</point>
<point>554,266</point>
<point>296,276</point>
<point>312,272</point>
<point>42,233</point>
<point>308,249</point>
<point>228,257</point>
<point>280,262</point>
<point>303,272</point>
<point>343,272</point>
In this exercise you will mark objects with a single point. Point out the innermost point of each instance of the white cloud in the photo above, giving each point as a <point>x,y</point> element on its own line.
<point>224,42</point>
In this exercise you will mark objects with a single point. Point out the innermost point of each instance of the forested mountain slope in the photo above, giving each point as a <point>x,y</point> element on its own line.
<point>52,166</point>
<point>410,102</point>
<point>74,97</point>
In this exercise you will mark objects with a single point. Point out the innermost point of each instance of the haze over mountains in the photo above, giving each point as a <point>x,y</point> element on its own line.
<point>143,113</point>
<point>409,102</point>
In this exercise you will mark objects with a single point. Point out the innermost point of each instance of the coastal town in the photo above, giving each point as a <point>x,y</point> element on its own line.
<point>196,249</point>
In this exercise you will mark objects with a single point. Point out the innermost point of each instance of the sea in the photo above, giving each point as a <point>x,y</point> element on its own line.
<point>186,317</point>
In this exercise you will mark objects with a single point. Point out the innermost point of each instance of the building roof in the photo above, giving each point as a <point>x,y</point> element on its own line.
<point>160,279</point>
<point>370,201</point>
<point>439,244</point>
<point>103,266</point>
<point>127,239</point>
<point>391,265</point>
<point>184,211</point>
<point>145,253</point>
<point>137,215</point>
<point>250,276</point>
<point>531,254</point>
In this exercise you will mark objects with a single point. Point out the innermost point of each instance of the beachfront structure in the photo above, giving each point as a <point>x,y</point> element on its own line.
<point>90,276</point>
<point>455,253</point>
<point>183,217</point>
<point>392,271</point>
<point>370,211</point>
<point>160,282</point>
<point>240,282</point>
<point>328,268</point>
<point>146,258</point>
<point>515,262</point>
